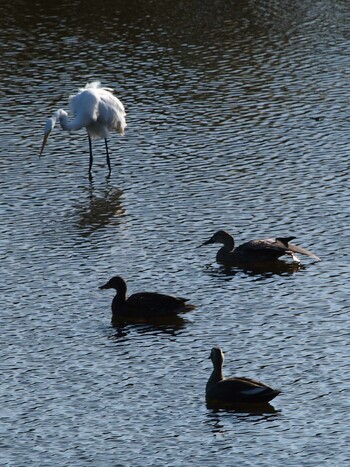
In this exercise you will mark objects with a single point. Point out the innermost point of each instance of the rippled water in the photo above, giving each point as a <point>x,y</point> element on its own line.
<point>237,118</point>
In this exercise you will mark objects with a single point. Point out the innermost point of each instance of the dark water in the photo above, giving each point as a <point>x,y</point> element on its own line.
<point>237,118</point>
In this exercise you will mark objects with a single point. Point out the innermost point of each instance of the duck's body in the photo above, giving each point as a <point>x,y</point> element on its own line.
<point>255,251</point>
<point>143,305</point>
<point>225,392</point>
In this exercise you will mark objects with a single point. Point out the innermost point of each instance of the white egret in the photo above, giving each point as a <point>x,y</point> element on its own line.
<point>94,108</point>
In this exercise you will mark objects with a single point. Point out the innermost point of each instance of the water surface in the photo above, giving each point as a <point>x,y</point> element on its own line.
<point>237,118</point>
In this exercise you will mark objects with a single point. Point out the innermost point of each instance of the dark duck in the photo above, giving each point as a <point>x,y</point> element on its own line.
<point>255,252</point>
<point>143,305</point>
<point>229,392</point>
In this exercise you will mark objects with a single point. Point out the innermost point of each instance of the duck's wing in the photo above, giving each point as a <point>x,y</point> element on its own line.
<point>261,250</point>
<point>283,243</point>
<point>241,390</point>
<point>155,303</point>
<point>241,383</point>
<point>273,248</point>
<point>266,244</point>
<point>301,250</point>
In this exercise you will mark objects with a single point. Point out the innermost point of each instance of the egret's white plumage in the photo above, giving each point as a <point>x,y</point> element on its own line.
<point>94,108</point>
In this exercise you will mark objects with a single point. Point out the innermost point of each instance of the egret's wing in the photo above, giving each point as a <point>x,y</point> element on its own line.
<point>111,111</point>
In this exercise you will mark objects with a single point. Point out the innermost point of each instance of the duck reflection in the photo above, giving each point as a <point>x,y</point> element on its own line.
<point>261,271</point>
<point>250,409</point>
<point>171,327</point>
<point>101,208</point>
<point>220,420</point>
<point>268,269</point>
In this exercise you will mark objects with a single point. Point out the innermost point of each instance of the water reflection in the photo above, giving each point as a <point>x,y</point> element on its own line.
<point>250,409</point>
<point>100,209</point>
<point>165,326</point>
<point>266,270</point>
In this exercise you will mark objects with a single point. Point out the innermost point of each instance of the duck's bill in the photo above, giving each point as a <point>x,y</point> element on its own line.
<point>208,242</point>
<point>106,286</point>
<point>46,137</point>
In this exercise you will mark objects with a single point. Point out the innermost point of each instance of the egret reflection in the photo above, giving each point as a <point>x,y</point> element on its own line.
<point>100,209</point>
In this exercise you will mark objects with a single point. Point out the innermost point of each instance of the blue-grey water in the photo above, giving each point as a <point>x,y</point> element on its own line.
<point>238,118</point>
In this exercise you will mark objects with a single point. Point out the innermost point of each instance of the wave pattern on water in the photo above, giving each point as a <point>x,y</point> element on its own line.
<point>237,119</point>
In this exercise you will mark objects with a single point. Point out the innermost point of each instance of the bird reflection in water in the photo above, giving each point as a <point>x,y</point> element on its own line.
<point>250,409</point>
<point>268,269</point>
<point>170,326</point>
<point>221,422</point>
<point>100,209</point>
<point>259,413</point>
<point>261,271</point>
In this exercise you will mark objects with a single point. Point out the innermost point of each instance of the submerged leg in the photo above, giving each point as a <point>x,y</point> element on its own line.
<point>91,158</point>
<point>108,161</point>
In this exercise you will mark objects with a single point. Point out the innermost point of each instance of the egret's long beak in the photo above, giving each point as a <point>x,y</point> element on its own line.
<point>46,136</point>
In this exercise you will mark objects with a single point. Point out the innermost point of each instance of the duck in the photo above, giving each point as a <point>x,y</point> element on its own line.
<point>143,305</point>
<point>226,392</point>
<point>255,251</point>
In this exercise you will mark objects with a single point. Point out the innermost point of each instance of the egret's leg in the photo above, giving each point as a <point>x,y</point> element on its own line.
<point>108,161</point>
<point>91,158</point>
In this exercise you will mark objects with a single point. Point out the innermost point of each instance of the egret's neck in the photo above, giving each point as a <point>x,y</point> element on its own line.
<point>62,116</point>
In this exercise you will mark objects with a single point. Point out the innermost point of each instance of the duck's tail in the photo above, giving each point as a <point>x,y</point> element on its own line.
<point>260,394</point>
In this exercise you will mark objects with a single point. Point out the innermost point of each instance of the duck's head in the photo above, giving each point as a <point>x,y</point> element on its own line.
<point>117,283</point>
<point>217,356</point>
<point>221,236</point>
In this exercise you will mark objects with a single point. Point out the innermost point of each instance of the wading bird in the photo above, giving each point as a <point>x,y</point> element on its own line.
<point>226,392</point>
<point>94,108</point>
